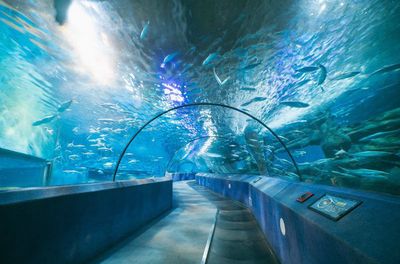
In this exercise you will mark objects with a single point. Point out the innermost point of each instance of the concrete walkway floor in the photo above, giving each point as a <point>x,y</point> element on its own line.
<point>178,237</point>
<point>181,235</point>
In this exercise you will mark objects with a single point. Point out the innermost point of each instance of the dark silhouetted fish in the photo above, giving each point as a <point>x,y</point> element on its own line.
<point>307,69</point>
<point>44,120</point>
<point>346,75</point>
<point>254,100</point>
<point>322,74</point>
<point>303,82</point>
<point>61,7</point>
<point>295,104</point>
<point>251,66</point>
<point>387,69</point>
<point>64,106</point>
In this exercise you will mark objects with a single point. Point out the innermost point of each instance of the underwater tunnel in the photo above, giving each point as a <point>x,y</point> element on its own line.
<point>213,131</point>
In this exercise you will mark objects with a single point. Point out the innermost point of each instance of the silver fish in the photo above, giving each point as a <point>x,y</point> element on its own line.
<point>218,79</point>
<point>210,58</point>
<point>367,173</point>
<point>170,57</point>
<point>372,153</point>
<point>145,31</point>
<point>379,135</point>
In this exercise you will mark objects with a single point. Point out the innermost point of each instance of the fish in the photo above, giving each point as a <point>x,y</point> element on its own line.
<point>210,58</point>
<point>322,74</point>
<point>64,106</point>
<point>213,155</point>
<point>303,82</point>
<point>170,57</point>
<point>248,89</point>
<point>251,66</point>
<point>61,7</point>
<point>307,69</point>
<point>254,100</point>
<point>108,165</point>
<point>73,157</point>
<point>347,75</point>
<point>218,79</point>
<point>379,135</point>
<point>44,120</point>
<point>341,153</point>
<point>367,173</point>
<point>145,31</point>
<point>299,153</point>
<point>295,104</point>
<point>386,69</point>
<point>71,171</point>
<point>372,153</point>
<point>49,130</point>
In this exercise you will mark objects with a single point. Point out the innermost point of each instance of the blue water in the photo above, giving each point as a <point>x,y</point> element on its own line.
<point>75,93</point>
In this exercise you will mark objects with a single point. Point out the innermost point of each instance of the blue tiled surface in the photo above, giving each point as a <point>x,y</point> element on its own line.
<point>42,226</point>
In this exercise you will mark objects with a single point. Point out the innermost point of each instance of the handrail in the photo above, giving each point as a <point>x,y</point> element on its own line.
<point>204,104</point>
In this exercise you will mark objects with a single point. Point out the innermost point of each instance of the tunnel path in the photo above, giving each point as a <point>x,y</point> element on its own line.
<point>181,235</point>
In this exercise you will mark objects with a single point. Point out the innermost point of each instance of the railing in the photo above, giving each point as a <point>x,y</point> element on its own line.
<point>205,104</point>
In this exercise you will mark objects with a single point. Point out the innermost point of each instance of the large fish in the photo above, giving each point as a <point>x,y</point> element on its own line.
<point>322,74</point>
<point>307,69</point>
<point>367,173</point>
<point>379,135</point>
<point>254,100</point>
<point>218,79</point>
<point>346,75</point>
<point>372,153</point>
<point>295,104</point>
<point>44,120</point>
<point>386,69</point>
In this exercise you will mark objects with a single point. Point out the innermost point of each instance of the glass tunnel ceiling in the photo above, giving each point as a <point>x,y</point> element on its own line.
<point>323,74</point>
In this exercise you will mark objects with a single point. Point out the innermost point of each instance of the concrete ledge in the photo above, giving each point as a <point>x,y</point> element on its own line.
<point>369,234</point>
<point>72,224</point>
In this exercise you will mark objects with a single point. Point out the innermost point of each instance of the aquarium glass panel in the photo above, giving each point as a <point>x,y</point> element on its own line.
<point>79,77</point>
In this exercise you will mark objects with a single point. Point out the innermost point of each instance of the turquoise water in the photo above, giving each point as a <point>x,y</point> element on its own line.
<point>324,75</point>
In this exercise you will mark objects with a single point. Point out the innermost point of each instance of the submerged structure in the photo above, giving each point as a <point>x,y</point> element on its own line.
<point>190,131</point>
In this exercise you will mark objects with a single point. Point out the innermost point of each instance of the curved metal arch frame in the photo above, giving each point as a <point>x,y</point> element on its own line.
<point>204,104</point>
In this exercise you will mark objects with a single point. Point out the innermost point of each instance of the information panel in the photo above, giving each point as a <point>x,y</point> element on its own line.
<point>334,207</point>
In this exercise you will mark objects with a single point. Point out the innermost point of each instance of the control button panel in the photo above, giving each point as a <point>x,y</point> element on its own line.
<point>334,207</point>
<point>304,197</point>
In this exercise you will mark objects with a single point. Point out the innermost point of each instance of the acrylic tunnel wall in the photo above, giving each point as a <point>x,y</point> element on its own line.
<point>302,91</point>
<point>75,88</point>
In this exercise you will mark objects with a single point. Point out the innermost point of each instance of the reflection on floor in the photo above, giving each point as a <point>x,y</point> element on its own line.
<point>181,235</point>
